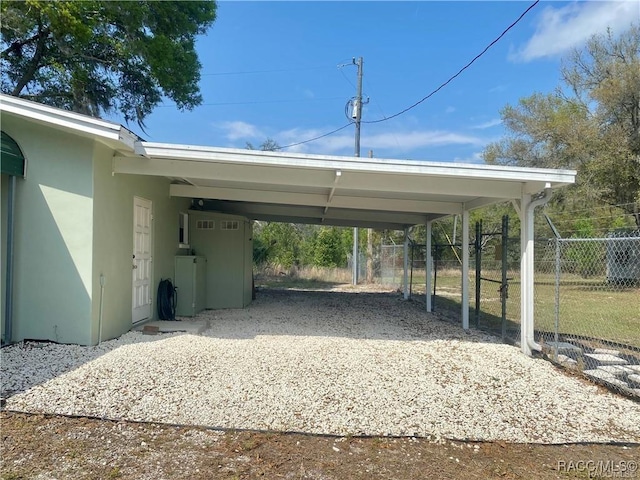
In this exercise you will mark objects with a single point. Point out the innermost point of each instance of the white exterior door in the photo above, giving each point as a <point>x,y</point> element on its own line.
<point>142,259</point>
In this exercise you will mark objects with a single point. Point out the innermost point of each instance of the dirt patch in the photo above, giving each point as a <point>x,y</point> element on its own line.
<point>37,446</point>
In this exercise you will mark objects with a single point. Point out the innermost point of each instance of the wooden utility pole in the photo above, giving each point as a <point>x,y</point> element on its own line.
<point>357,115</point>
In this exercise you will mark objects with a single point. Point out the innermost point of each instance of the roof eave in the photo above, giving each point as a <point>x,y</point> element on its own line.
<point>111,133</point>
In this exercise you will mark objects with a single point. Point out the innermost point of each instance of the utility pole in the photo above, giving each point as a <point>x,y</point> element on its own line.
<point>357,115</point>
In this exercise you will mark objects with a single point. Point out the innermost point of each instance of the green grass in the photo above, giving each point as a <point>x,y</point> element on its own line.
<point>588,307</point>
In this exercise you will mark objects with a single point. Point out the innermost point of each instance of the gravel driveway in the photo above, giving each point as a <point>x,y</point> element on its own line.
<point>322,362</point>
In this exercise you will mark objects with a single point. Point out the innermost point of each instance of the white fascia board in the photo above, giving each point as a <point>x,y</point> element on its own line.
<point>255,157</point>
<point>72,121</point>
<point>300,177</point>
<point>315,199</point>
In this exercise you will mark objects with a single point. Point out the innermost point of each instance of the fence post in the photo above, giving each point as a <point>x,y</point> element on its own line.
<point>478,245</point>
<point>435,276</point>
<point>504,287</point>
<point>428,266</point>
<point>405,264</point>
<point>413,246</point>
<point>557,302</point>
<point>465,270</point>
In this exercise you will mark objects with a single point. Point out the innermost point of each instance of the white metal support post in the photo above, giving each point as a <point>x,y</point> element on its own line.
<point>428,268</point>
<point>465,270</point>
<point>526,277</point>
<point>354,258</point>
<point>406,264</point>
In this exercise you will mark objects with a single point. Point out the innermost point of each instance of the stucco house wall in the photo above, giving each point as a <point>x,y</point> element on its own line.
<point>74,226</point>
<point>73,231</point>
<point>113,241</point>
<point>53,234</point>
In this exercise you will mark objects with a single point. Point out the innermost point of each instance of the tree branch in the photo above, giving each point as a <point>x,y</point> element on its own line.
<point>27,76</point>
<point>15,46</point>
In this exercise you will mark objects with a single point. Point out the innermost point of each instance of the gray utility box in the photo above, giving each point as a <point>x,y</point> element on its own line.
<point>191,285</point>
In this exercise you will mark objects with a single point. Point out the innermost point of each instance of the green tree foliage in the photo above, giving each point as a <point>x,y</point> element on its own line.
<point>331,246</point>
<point>97,57</point>
<point>591,124</point>
<point>288,244</point>
<point>281,241</point>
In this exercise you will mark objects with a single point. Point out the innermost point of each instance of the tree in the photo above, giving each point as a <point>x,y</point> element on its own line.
<point>591,123</point>
<point>269,145</point>
<point>96,57</point>
<point>281,242</point>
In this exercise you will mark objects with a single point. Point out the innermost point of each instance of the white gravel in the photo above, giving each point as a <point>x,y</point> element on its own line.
<point>321,362</point>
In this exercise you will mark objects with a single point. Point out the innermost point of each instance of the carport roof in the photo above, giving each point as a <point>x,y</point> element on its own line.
<point>302,188</point>
<point>332,190</point>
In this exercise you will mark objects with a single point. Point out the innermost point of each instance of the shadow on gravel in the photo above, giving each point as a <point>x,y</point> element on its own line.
<point>356,315</point>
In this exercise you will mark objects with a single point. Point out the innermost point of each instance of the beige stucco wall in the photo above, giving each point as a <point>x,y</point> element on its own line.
<point>113,240</point>
<point>227,252</point>
<point>53,235</point>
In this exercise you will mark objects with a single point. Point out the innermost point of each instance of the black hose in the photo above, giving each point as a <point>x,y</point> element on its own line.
<point>167,300</point>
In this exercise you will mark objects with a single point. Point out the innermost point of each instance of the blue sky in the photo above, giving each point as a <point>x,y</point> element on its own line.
<point>271,69</point>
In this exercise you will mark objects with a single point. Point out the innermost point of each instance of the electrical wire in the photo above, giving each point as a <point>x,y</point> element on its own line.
<point>255,102</point>
<point>252,72</point>
<point>345,77</point>
<point>316,138</point>
<point>496,40</point>
<point>367,82</point>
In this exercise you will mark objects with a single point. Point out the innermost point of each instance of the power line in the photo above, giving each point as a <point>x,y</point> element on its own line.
<point>254,102</point>
<point>252,72</point>
<point>496,40</point>
<point>316,138</point>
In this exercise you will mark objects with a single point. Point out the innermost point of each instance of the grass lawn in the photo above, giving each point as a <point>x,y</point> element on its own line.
<point>587,307</point>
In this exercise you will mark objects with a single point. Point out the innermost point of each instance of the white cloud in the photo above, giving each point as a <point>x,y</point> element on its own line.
<point>404,141</point>
<point>560,29</point>
<point>399,141</point>
<point>239,130</point>
<point>491,123</point>
<point>450,109</point>
<point>475,158</point>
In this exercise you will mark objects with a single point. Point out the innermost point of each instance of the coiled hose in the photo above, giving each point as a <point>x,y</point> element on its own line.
<point>167,300</point>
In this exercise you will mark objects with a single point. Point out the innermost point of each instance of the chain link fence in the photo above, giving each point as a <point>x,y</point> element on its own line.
<point>587,310</point>
<point>586,295</point>
<point>391,270</point>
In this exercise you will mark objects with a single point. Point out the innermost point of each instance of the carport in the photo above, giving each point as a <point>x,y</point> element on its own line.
<point>355,192</point>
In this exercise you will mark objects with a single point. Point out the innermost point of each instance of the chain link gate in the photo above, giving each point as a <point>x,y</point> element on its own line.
<point>497,282</point>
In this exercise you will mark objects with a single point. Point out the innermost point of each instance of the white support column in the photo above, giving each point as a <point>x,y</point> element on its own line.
<point>465,270</point>
<point>354,260</point>
<point>526,273</point>
<point>406,264</point>
<point>428,268</point>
